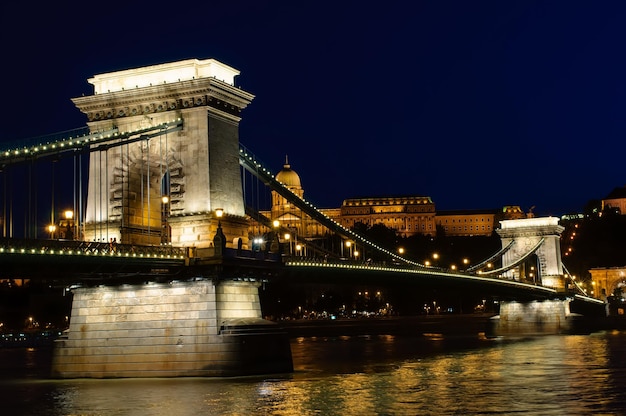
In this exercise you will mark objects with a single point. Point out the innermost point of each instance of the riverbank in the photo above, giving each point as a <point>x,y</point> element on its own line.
<point>446,325</point>
<point>463,325</point>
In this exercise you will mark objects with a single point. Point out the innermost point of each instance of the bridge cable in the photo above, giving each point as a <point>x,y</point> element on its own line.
<point>52,219</point>
<point>149,189</point>
<point>490,258</point>
<point>28,150</point>
<point>580,289</point>
<point>267,222</point>
<point>517,262</point>
<point>251,164</point>
<point>106,195</point>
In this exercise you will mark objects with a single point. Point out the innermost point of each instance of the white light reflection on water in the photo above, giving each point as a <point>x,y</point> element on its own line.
<point>551,375</point>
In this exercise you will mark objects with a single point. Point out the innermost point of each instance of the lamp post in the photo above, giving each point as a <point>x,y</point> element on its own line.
<point>165,213</point>
<point>287,239</point>
<point>465,263</point>
<point>52,229</point>
<point>67,225</point>
<point>274,240</point>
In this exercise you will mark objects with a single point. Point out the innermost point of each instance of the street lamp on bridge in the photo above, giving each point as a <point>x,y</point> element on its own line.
<point>67,225</point>
<point>165,213</point>
<point>52,229</point>
<point>288,241</point>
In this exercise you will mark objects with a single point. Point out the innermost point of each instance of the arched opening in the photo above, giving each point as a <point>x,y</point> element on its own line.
<point>143,194</point>
<point>530,270</point>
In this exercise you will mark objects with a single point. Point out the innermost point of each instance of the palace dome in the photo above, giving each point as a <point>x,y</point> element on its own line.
<point>287,176</point>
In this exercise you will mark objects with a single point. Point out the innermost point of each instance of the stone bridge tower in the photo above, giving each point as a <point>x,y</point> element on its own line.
<point>530,233</point>
<point>169,188</point>
<point>536,255</point>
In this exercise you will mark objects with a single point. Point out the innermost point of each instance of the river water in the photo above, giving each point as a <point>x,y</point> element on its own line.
<point>356,375</point>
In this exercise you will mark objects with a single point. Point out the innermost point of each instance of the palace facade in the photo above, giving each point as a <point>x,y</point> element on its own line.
<point>408,215</point>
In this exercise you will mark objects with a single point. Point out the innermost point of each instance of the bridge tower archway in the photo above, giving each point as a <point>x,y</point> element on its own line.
<point>125,193</point>
<point>535,255</point>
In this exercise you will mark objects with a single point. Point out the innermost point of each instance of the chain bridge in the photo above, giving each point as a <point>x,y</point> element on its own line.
<point>146,215</point>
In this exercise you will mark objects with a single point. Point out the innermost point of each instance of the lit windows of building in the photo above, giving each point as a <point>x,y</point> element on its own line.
<point>397,213</point>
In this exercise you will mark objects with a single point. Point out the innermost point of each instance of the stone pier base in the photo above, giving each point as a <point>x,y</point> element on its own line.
<point>178,329</point>
<point>535,317</point>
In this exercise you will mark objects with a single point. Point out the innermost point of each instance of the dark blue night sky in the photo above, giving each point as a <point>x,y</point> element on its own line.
<point>478,104</point>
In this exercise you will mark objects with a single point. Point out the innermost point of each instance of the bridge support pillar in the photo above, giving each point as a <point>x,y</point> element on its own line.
<point>197,328</point>
<point>535,317</point>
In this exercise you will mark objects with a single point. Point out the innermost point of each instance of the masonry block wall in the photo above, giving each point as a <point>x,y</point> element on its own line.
<point>163,330</point>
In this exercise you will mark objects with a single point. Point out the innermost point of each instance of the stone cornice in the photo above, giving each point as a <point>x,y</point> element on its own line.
<point>166,97</point>
<point>551,230</point>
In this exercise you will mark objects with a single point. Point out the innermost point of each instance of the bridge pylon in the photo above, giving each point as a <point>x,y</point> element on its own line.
<point>534,256</point>
<point>169,187</point>
<point>536,251</point>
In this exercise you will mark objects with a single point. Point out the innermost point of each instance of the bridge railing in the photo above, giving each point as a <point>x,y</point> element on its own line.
<point>73,247</point>
<point>350,262</point>
<point>395,265</point>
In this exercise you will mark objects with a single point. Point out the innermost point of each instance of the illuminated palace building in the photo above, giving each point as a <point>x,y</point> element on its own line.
<point>407,215</point>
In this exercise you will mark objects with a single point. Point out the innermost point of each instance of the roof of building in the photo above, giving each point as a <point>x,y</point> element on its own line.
<point>468,212</point>
<point>288,176</point>
<point>386,200</point>
<point>617,193</point>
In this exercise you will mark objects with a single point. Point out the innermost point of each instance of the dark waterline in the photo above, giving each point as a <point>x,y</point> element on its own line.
<point>379,374</point>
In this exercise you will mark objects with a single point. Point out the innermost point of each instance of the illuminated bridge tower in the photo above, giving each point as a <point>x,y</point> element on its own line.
<point>536,255</point>
<point>538,239</point>
<point>205,320</point>
<point>166,188</point>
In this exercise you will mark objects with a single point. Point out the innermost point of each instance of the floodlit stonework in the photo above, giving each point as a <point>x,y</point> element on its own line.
<point>541,235</point>
<point>180,187</point>
<point>170,330</point>
<point>537,317</point>
<point>606,280</point>
<point>196,168</point>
